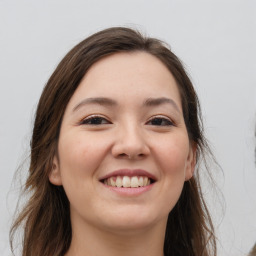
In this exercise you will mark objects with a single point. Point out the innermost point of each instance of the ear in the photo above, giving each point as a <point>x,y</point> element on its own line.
<point>54,175</point>
<point>191,161</point>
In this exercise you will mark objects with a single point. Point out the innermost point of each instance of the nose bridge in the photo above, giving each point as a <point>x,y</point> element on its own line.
<point>130,140</point>
<point>132,134</point>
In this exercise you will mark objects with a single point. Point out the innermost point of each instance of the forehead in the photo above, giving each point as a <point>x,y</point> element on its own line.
<point>128,75</point>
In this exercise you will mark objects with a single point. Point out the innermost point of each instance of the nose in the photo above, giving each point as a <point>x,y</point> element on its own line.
<point>130,143</point>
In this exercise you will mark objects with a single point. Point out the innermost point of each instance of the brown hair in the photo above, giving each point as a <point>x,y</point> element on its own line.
<point>46,219</point>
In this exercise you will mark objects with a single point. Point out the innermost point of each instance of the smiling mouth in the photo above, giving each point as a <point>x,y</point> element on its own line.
<point>128,182</point>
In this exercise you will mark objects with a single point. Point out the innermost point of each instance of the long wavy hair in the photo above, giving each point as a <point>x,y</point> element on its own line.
<point>45,219</point>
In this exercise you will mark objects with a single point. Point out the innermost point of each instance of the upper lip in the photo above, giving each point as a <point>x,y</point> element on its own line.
<point>129,173</point>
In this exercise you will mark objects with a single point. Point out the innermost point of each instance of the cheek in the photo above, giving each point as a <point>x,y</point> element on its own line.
<point>172,158</point>
<point>72,155</point>
<point>80,155</point>
<point>173,154</point>
<point>79,158</point>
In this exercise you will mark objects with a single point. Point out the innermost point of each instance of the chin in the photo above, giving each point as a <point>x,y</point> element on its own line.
<point>133,221</point>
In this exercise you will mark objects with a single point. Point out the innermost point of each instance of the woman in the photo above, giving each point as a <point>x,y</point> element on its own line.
<point>116,139</point>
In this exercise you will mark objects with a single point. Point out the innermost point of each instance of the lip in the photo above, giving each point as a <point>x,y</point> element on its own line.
<point>129,191</point>
<point>129,173</point>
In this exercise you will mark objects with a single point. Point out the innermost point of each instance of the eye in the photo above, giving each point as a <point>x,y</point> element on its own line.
<point>95,120</point>
<point>160,121</point>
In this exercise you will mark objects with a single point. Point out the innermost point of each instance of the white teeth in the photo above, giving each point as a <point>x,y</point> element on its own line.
<point>140,181</point>
<point>119,182</point>
<point>127,182</point>
<point>145,181</point>
<point>112,182</point>
<point>134,182</point>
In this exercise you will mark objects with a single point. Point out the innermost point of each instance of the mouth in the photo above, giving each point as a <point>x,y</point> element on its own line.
<point>127,181</point>
<point>125,178</point>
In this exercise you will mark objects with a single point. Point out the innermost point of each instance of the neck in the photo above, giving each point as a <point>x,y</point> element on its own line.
<point>91,241</point>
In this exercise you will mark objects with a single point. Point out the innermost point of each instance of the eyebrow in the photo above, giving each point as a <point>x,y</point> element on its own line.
<point>98,101</point>
<point>159,101</point>
<point>111,103</point>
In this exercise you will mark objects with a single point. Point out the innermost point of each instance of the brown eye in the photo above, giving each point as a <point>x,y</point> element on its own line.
<point>160,121</point>
<point>95,120</point>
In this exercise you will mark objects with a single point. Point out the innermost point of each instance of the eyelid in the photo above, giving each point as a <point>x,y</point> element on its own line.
<point>90,117</point>
<point>162,117</point>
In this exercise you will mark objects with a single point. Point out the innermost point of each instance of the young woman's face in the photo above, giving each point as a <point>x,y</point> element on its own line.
<point>123,151</point>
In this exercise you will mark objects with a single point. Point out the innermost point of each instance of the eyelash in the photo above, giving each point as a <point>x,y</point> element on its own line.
<point>99,119</point>
<point>96,119</point>
<point>167,121</point>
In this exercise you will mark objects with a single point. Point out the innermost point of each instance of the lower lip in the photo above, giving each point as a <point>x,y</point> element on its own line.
<point>129,191</point>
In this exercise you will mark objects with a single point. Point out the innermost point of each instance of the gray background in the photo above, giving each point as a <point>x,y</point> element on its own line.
<point>215,39</point>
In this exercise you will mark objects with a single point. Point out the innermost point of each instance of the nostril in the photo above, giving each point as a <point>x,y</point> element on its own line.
<point>128,156</point>
<point>135,156</point>
<point>123,155</point>
<point>127,147</point>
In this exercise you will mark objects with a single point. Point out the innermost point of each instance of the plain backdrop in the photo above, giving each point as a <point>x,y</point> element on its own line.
<point>215,39</point>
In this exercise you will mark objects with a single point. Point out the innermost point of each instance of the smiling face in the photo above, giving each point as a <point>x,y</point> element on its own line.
<point>123,150</point>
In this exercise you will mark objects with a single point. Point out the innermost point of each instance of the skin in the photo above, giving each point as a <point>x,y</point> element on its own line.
<point>129,134</point>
